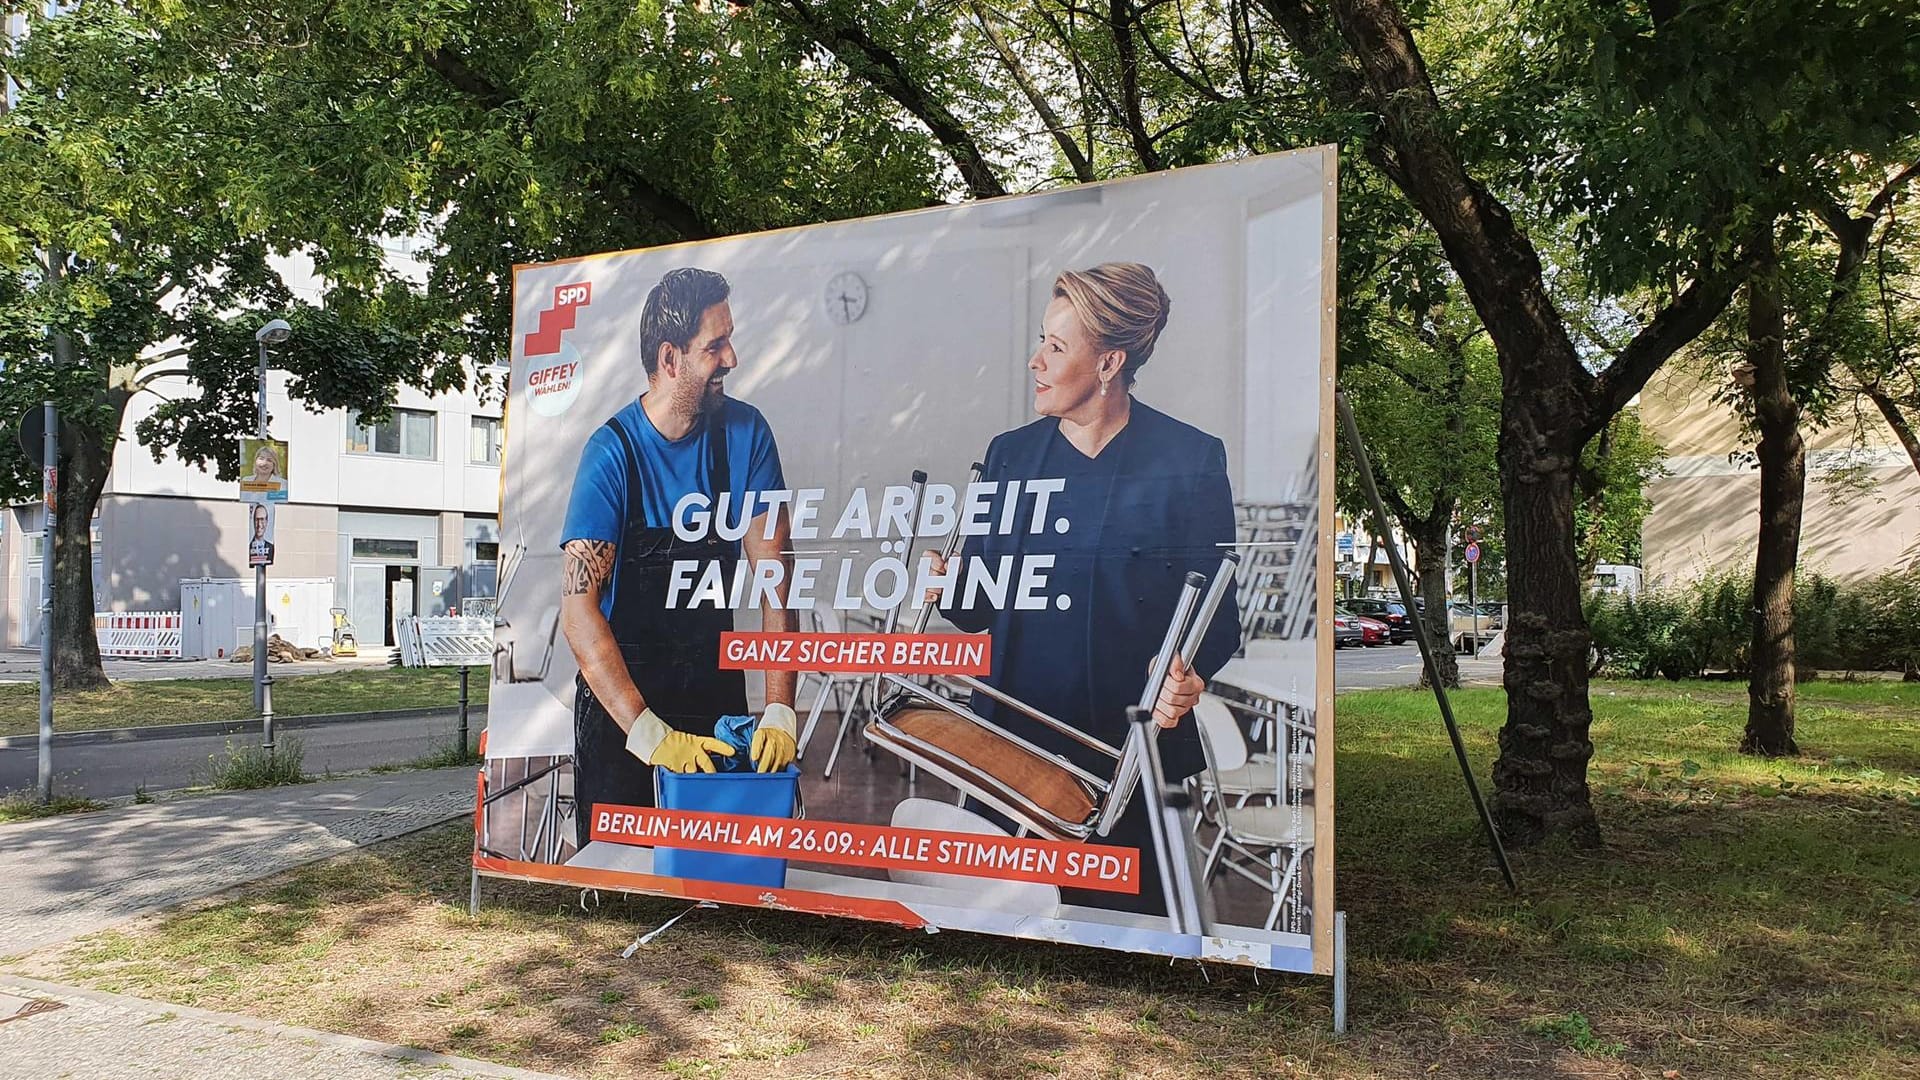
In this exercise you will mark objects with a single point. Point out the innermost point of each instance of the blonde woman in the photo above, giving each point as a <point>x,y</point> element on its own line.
<point>1145,499</point>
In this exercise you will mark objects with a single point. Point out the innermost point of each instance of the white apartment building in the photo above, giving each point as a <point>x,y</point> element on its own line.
<point>402,515</point>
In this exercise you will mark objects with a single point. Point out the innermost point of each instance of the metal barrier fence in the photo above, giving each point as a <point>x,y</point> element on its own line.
<point>138,635</point>
<point>444,641</point>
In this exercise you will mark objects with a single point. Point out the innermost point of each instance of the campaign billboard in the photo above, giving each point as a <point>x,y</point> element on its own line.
<point>964,568</point>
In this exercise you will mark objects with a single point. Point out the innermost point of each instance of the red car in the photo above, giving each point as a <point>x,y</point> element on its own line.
<point>1369,631</point>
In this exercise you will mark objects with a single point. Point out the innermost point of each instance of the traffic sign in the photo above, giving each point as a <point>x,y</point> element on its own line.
<point>1473,553</point>
<point>31,432</point>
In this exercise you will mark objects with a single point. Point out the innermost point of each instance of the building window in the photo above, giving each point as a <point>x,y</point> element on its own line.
<point>483,448</point>
<point>407,433</point>
<point>486,551</point>
<point>376,548</point>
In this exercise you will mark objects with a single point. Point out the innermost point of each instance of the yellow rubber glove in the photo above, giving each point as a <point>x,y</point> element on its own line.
<point>774,743</point>
<point>652,741</point>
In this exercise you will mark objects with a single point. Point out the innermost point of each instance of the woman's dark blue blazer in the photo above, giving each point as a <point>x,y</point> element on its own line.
<point>1169,511</point>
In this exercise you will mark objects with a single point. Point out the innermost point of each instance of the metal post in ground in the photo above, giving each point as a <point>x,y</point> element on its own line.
<point>463,710</point>
<point>260,588</point>
<point>273,333</point>
<point>50,484</point>
<point>1339,973</point>
<point>1473,601</point>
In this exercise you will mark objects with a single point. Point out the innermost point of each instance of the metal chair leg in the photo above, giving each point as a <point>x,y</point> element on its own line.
<point>813,715</point>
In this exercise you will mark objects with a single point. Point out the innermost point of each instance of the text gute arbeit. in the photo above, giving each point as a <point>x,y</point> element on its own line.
<point>894,579</point>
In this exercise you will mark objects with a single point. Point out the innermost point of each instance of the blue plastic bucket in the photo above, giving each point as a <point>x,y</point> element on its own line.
<point>751,793</point>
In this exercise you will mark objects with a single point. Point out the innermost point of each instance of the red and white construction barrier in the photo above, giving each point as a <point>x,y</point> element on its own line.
<point>138,635</point>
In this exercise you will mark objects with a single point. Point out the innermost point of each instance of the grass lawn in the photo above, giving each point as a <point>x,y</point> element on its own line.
<point>1746,919</point>
<point>184,701</point>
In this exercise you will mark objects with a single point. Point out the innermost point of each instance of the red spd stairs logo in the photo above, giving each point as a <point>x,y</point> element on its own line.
<point>554,372</point>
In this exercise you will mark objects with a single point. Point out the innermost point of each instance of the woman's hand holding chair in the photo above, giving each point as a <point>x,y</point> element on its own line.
<point>1178,694</point>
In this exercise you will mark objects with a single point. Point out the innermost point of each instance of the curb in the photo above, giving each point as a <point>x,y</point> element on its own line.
<point>236,1021</point>
<point>475,713</point>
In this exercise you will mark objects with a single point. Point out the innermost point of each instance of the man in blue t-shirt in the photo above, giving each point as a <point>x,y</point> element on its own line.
<point>650,684</point>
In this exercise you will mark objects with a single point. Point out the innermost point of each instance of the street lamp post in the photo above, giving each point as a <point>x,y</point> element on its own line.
<point>273,333</point>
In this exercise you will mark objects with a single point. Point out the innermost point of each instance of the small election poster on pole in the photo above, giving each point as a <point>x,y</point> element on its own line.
<point>260,534</point>
<point>263,470</point>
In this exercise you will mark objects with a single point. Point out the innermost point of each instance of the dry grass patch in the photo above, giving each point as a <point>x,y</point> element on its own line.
<point>1731,928</point>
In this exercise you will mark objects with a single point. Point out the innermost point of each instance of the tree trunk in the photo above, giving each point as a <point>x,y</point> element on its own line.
<point>1897,422</point>
<point>1431,543</point>
<point>76,647</point>
<point>1540,778</point>
<point>1783,484</point>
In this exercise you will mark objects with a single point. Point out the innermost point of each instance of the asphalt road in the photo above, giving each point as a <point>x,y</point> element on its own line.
<point>1362,668</point>
<point>110,770</point>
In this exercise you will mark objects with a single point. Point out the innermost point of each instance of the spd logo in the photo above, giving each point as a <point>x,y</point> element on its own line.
<point>554,371</point>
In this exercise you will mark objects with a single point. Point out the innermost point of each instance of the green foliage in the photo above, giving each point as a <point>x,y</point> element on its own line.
<point>1575,1031</point>
<point>1614,472</point>
<point>26,805</point>
<point>1685,126</point>
<point>1707,626</point>
<point>244,768</point>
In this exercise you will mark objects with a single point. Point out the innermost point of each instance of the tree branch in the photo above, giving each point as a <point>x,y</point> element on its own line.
<point>1683,319</point>
<point>1304,28</point>
<point>1120,24</point>
<point>1082,168</point>
<point>1193,82</point>
<point>1878,204</point>
<point>1902,429</point>
<point>867,59</point>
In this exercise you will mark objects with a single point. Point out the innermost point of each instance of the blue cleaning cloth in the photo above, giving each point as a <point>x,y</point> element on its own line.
<point>737,732</point>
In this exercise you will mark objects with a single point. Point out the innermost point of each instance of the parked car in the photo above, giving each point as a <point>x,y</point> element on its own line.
<point>1372,631</point>
<point>1391,612</point>
<point>1346,629</point>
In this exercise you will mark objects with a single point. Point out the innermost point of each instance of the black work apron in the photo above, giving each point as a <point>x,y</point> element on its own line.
<point>672,656</point>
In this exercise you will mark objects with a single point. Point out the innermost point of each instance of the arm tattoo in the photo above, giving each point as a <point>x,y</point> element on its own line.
<point>589,565</point>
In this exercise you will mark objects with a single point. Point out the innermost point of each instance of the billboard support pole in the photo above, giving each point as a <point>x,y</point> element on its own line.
<point>1339,973</point>
<point>1365,468</point>
<point>49,498</point>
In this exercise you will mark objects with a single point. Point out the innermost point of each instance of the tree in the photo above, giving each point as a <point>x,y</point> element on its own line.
<point>1424,389</point>
<point>1659,132</point>
<point>1812,318</point>
<point>160,155</point>
<point>1615,469</point>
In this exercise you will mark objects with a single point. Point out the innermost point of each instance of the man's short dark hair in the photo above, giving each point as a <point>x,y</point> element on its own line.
<point>674,307</point>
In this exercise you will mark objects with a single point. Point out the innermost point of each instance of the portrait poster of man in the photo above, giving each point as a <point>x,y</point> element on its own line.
<point>962,568</point>
<point>260,517</point>
<point>263,470</point>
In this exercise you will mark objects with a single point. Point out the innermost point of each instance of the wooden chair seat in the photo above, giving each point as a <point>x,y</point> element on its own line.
<point>999,760</point>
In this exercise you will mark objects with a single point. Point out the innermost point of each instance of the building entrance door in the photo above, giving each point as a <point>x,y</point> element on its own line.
<point>403,595</point>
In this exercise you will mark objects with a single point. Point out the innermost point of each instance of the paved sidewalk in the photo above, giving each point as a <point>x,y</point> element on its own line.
<point>100,1036</point>
<point>78,873</point>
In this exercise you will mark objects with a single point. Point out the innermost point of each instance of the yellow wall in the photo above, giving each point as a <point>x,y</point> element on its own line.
<point>1705,512</point>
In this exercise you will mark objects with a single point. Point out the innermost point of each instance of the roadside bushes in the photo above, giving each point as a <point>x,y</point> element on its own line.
<point>1870,624</point>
